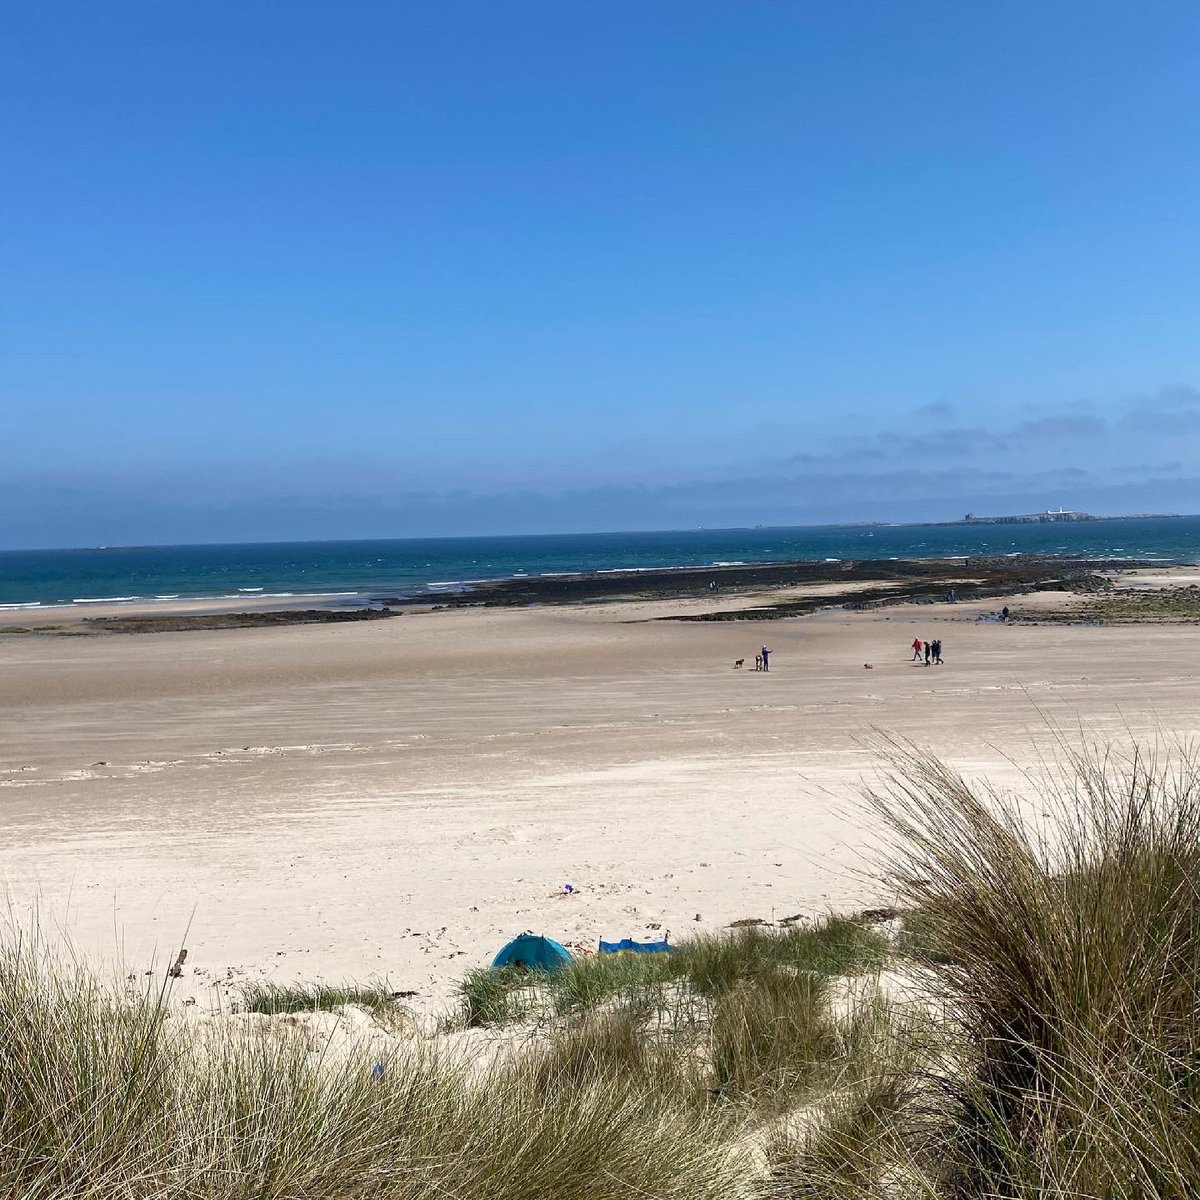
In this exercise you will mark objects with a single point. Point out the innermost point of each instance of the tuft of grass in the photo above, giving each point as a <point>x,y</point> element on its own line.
<point>837,945</point>
<point>850,1149</point>
<point>772,1037</point>
<point>717,963</point>
<point>276,998</point>
<point>602,1136</point>
<point>586,983</point>
<point>920,939</point>
<point>1068,961</point>
<point>495,996</point>
<point>862,1138</point>
<point>614,1046</point>
<point>84,1077</point>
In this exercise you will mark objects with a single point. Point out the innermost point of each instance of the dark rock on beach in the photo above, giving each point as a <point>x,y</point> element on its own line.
<point>177,622</point>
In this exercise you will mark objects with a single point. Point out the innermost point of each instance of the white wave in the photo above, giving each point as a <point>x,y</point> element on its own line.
<point>733,562</point>
<point>258,589</point>
<point>104,599</point>
<point>28,604</point>
<point>634,570</point>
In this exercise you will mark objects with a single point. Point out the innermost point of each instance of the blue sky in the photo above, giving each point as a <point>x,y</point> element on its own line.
<point>315,270</point>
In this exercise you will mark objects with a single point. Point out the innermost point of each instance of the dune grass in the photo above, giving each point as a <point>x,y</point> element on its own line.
<point>108,1096</point>
<point>666,984</point>
<point>495,996</point>
<point>772,1036</point>
<point>587,983</point>
<point>274,998</point>
<point>836,945</point>
<point>1066,954</point>
<point>613,1045</point>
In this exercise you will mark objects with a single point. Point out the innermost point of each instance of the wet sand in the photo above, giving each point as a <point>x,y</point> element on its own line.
<point>398,797</point>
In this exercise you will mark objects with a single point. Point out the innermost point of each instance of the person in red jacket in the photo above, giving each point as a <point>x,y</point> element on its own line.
<point>916,650</point>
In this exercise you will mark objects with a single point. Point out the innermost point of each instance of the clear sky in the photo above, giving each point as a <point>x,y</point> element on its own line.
<point>289,270</point>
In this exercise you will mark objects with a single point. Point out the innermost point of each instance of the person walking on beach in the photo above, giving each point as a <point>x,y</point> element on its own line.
<point>765,654</point>
<point>928,653</point>
<point>937,652</point>
<point>916,650</point>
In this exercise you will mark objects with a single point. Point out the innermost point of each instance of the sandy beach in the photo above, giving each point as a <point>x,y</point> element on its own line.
<point>399,797</point>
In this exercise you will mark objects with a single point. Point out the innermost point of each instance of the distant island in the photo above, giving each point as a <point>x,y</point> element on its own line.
<point>1054,516</point>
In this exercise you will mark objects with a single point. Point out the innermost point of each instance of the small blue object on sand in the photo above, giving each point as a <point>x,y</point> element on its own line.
<point>628,945</point>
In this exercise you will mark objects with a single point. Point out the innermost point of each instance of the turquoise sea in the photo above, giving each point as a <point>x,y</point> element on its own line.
<point>429,566</point>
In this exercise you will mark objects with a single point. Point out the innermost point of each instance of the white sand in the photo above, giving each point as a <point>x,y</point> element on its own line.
<point>399,797</point>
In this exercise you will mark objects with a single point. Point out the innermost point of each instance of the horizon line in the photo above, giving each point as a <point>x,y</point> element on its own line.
<point>449,537</point>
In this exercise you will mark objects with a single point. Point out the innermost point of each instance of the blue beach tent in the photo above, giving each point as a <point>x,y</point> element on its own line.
<point>534,953</point>
<point>632,947</point>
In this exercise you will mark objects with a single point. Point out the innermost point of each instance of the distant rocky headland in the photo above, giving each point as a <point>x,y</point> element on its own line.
<point>1055,516</point>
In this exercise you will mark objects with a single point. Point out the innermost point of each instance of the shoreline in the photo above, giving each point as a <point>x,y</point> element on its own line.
<point>432,592</point>
<point>894,580</point>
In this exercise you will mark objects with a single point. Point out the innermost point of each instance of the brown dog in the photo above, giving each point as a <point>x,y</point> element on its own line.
<point>737,663</point>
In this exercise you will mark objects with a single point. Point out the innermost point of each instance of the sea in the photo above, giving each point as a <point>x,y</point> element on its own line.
<point>357,571</point>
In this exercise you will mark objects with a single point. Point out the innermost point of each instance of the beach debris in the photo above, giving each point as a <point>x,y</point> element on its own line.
<point>696,917</point>
<point>792,919</point>
<point>868,666</point>
<point>567,889</point>
<point>377,1071</point>
<point>747,922</point>
<point>874,916</point>
<point>177,966</point>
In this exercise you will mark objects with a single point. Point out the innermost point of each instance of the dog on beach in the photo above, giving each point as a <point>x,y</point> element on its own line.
<point>737,663</point>
<point>868,666</point>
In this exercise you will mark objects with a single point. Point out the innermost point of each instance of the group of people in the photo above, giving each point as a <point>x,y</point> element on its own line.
<point>931,650</point>
<point>762,660</point>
